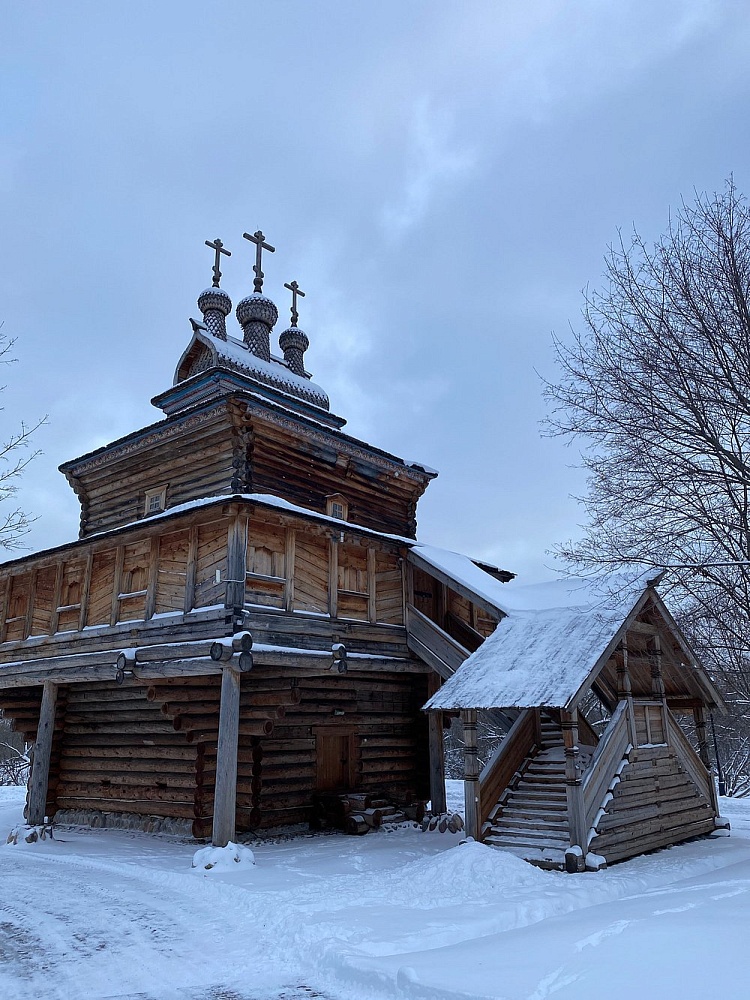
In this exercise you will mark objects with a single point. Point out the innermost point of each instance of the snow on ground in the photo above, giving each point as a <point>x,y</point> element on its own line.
<point>390,916</point>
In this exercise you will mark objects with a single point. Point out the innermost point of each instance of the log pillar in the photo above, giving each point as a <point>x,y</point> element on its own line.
<point>700,729</point>
<point>573,789</point>
<point>437,750</point>
<point>471,773</point>
<point>225,796</point>
<point>437,763</point>
<point>658,692</point>
<point>236,564</point>
<point>39,781</point>
<point>625,690</point>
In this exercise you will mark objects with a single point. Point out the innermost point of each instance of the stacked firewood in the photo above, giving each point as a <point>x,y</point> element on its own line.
<point>356,813</point>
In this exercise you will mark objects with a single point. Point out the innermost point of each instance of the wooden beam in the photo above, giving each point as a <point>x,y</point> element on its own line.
<point>333,578</point>
<point>153,578</point>
<point>236,563</point>
<point>86,590</point>
<point>225,796</point>
<point>437,751</point>
<point>573,789</point>
<point>39,781</point>
<point>55,617</point>
<point>472,805</point>
<point>117,585</point>
<point>289,561</point>
<point>191,569</point>
<point>372,613</point>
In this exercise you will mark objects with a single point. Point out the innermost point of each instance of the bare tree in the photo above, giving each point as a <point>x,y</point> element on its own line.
<point>15,455</point>
<point>657,390</point>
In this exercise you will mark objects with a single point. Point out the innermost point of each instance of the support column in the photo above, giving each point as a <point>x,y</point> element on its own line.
<point>39,781</point>
<point>700,729</point>
<point>437,750</point>
<point>437,763</point>
<point>471,773</point>
<point>236,564</point>
<point>657,685</point>
<point>225,796</point>
<point>573,789</point>
<point>625,690</point>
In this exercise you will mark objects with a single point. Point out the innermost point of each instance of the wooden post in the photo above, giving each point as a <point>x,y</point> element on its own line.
<point>29,626</point>
<point>657,686</point>
<point>625,690</point>
<point>236,563</point>
<point>117,584</point>
<point>86,591</point>
<point>437,752</point>
<point>39,780</point>
<point>153,578</point>
<point>289,559</point>
<point>191,570</point>
<point>700,729</point>
<point>333,578</point>
<point>225,796</point>
<point>372,612</point>
<point>55,617</point>
<point>471,773</point>
<point>574,792</point>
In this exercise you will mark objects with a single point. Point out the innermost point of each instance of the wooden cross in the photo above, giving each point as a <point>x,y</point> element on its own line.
<point>258,239</point>
<point>295,290</point>
<point>218,246</point>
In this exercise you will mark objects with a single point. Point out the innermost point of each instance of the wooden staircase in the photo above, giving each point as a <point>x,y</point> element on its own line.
<point>531,817</point>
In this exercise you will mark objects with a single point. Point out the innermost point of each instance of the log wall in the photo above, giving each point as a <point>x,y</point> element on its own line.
<point>653,805</point>
<point>232,447</point>
<point>150,750</point>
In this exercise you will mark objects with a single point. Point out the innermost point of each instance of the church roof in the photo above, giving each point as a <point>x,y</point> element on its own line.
<point>232,354</point>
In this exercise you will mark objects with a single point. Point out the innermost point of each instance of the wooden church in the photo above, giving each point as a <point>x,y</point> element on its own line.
<point>247,624</point>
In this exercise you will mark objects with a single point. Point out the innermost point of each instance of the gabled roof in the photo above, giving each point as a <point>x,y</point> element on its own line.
<point>547,658</point>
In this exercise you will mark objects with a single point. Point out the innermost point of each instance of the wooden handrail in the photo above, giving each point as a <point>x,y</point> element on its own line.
<point>692,763</point>
<point>506,760</point>
<point>612,748</point>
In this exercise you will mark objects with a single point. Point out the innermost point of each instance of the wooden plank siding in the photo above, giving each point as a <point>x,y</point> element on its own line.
<point>91,588</point>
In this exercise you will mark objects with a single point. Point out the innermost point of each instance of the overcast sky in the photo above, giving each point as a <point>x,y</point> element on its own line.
<point>441,178</point>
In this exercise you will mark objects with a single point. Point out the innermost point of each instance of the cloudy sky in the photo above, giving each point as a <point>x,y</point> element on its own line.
<point>441,178</point>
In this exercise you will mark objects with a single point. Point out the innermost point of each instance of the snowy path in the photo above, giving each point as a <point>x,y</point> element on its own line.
<point>101,914</point>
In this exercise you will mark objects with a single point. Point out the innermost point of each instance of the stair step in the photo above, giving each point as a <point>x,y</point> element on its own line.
<point>512,820</point>
<point>501,838</point>
<point>537,805</point>
<point>542,779</point>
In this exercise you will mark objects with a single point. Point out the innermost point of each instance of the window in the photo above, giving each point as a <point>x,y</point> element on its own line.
<point>156,501</point>
<point>336,506</point>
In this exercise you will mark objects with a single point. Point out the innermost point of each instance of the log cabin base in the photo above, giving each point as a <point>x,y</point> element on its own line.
<point>99,820</point>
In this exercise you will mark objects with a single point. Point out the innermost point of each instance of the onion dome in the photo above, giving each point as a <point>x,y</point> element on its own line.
<point>293,342</point>
<point>215,305</point>
<point>257,315</point>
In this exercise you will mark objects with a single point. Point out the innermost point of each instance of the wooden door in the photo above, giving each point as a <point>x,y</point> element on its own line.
<point>334,754</point>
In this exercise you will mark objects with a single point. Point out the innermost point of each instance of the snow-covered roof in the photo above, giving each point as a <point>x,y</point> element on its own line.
<point>464,574</point>
<point>236,356</point>
<point>539,658</point>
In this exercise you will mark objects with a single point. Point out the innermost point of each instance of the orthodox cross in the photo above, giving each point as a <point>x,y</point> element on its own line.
<point>258,239</point>
<point>218,246</point>
<point>295,290</point>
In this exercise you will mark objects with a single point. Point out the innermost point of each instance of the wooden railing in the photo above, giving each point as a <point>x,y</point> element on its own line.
<point>689,759</point>
<point>612,748</point>
<point>524,734</point>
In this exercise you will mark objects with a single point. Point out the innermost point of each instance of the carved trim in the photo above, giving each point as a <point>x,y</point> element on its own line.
<point>342,444</point>
<point>128,447</point>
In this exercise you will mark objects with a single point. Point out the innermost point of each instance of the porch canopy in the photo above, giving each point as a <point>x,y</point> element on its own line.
<point>550,657</point>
